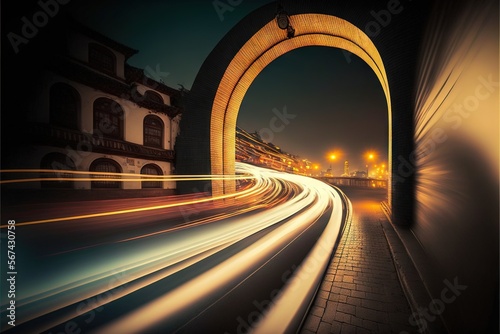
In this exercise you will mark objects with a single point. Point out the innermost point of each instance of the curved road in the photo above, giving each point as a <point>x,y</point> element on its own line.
<point>248,262</point>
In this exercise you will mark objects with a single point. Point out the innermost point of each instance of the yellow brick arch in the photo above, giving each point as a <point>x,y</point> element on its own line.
<point>267,44</point>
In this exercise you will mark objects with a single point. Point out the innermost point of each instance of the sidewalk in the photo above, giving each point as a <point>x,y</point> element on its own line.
<point>361,291</point>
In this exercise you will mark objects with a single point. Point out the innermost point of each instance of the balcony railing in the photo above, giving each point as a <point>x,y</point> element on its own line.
<point>45,134</point>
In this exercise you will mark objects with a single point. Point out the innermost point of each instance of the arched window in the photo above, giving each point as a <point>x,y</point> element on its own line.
<point>153,131</point>
<point>102,59</point>
<point>108,118</point>
<point>151,169</point>
<point>64,106</point>
<point>103,165</point>
<point>59,163</point>
<point>153,97</point>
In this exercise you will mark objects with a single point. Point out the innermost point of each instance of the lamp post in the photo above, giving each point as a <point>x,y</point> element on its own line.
<point>283,21</point>
<point>370,157</point>
<point>316,167</point>
<point>333,157</point>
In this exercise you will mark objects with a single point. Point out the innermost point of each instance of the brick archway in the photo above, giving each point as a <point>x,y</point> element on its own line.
<point>207,139</point>
<point>261,49</point>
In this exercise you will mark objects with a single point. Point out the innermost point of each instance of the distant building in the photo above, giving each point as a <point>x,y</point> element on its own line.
<point>251,149</point>
<point>360,174</point>
<point>346,168</point>
<point>93,112</point>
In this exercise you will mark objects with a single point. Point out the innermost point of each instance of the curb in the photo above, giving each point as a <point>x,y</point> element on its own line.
<point>413,285</point>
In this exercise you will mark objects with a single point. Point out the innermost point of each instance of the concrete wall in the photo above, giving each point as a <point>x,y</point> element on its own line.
<point>456,161</point>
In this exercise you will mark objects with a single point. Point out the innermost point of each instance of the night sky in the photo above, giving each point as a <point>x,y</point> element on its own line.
<point>336,99</point>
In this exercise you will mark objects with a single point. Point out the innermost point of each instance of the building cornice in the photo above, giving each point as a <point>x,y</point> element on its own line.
<point>114,86</point>
<point>134,74</point>
<point>100,38</point>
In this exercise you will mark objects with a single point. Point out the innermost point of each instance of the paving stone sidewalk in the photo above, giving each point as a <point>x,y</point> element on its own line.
<point>361,292</point>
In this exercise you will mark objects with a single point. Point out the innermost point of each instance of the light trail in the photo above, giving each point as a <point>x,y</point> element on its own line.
<point>122,212</point>
<point>119,179</point>
<point>241,239</point>
<point>241,194</point>
<point>108,176</point>
<point>76,172</point>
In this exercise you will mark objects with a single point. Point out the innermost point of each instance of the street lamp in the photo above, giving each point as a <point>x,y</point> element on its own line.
<point>283,21</point>
<point>333,157</point>
<point>370,157</point>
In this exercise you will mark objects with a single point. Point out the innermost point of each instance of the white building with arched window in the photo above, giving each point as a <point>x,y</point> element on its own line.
<point>95,113</point>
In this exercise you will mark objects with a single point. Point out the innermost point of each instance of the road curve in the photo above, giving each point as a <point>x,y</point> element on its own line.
<point>251,262</point>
